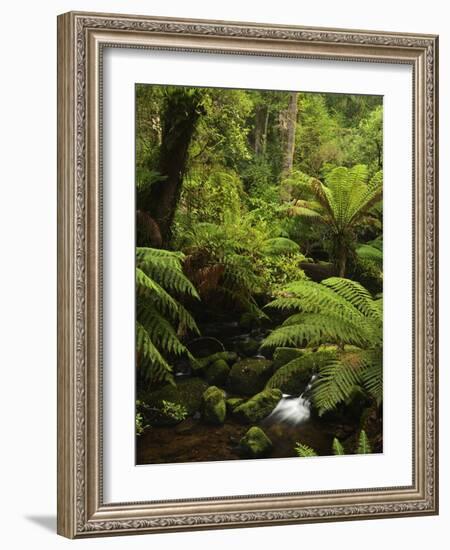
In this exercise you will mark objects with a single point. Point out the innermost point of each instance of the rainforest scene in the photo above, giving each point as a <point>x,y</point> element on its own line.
<point>259,274</point>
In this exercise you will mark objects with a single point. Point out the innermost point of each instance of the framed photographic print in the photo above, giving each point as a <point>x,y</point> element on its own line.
<point>247,284</point>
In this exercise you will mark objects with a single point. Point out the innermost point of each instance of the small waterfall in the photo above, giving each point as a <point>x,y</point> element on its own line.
<point>292,410</point>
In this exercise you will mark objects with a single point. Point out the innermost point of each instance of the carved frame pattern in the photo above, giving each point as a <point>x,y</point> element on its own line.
<point>81,37</point>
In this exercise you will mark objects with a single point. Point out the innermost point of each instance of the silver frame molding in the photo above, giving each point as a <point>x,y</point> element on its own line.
<point>81,38</point>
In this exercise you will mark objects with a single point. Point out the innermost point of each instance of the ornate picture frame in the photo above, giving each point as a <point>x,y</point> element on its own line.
<point>82,511</point>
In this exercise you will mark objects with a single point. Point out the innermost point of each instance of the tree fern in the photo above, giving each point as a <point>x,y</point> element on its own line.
<point>336,312</point>
<point>342,203</point>
<point>161,318</point>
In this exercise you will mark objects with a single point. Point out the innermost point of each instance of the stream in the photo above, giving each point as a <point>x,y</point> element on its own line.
<point>192,440</point>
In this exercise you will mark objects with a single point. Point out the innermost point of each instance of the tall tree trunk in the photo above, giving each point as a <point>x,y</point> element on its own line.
<point>290,125</point>
<point>261,116</point>
<point>342,262</point>
<point>178,121</point>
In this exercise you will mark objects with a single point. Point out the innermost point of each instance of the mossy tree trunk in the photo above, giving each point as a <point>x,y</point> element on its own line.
<point>179,119</point>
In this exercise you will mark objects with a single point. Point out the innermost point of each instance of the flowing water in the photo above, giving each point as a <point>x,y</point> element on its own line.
<point>292,410</point>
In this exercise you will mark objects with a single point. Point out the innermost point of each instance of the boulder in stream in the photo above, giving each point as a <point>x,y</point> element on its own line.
<point>217,373</point>
<point>249,376</point>
<point>258,407</point>
<point>282,356</point>
<point>187,392</point>
<point>255,443</point>
<point>214,407</point>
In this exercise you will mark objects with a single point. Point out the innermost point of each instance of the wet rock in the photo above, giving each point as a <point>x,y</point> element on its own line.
<point>282,356</point>
<point>214,407</point>
<point>255,443</point>
<point>228,356</point>
<point>258,407</point>
<point>205,346</point>
<point>233,402</point>
<point>249,376</point>
<point>247,347</point>
<point>217,373</point>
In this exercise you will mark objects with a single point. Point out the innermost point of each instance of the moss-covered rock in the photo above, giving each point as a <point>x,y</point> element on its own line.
<point>214,407</point>
<point>187,392</point>
<point>233,402</point>
<point>283,356</point>
<point>248,347</point>
<point>217,373</point>
<point>258,407</point>
<point>249,376</point>
<point>228,356</point>
<point>255,443</point>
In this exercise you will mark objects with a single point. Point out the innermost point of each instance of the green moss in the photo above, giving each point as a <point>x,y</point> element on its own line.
<point>214,407</point>
<point>233,402</point>
<point>258,407</point>
<point>228,356</point>
<point>282,356</point>
<point>255,443</point>
<point>187,392</point>
<point>248,348</point>
<point>217,373</point>
<point>249,376</point>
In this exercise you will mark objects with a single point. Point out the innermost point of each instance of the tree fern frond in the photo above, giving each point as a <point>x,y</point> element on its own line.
<point>160,317</point>
<point>372,379</point>
<point>315,329</point>
<point>336,382</point>
<point>354,293</point>
<point>310,362</point>
<point>153,364</point>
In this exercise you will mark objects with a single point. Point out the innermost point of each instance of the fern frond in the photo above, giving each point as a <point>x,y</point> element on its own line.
<point>354,293</point>
<point>336,381</point>
<point>155,367</point>
<point>337,447</point>
<point>310,362</point>
<point>315,329</point>
<point>160,317</point>
<point>304,451</point>
<point>364,447</point>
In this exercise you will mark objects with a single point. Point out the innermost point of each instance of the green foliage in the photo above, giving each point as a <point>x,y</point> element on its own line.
<point>160,317</point>
<point>221,261</point>
<point>304,451</point>
<point>337,447</point>
<point>363,444</point>
<point>300,369</point>
<point>341,205</point>
<point>279,246</point>
<point>339,312</point>
<point>363,447</point>
<point>175,410</point>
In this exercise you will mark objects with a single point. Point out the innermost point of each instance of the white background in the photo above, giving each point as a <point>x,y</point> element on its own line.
<point>123,482</point>
<point>28,275</point>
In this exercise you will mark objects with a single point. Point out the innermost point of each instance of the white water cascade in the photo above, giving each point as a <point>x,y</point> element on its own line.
<point>292,410</point>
